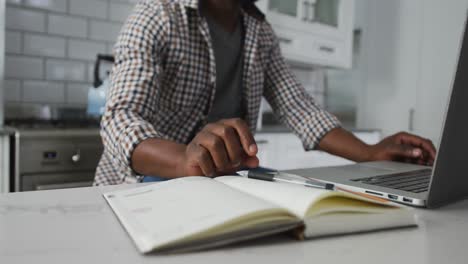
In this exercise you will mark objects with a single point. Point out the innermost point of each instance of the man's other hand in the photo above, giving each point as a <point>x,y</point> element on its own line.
<point>220,148</point>
<point>404,147</point>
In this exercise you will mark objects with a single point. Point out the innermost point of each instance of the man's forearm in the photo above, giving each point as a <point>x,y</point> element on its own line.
<point>218,149</point>
<point>344,144</point>
<point>158,157</point>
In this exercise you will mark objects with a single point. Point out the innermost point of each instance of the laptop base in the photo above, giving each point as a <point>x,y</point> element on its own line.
<point>352,178</point>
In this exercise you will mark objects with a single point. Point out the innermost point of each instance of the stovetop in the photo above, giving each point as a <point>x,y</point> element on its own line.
<point>33,124</point>
<point>46,117</point>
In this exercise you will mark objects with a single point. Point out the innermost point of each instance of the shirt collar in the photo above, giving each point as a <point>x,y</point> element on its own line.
<point>195,4</point>
<point>249,9</point>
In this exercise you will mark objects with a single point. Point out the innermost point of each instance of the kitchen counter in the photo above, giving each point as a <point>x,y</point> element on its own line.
<point>5,131</point>
<point>274,129</point>
<point>284,129</point>
<point>50,132</point>
<point>77,226</point>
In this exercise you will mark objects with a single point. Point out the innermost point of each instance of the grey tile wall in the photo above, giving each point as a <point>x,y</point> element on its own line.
<point>51,47</point>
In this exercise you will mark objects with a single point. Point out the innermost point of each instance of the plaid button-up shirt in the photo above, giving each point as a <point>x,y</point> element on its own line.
<point>163,83</point>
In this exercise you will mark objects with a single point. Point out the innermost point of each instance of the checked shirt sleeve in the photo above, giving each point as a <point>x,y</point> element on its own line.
<point>290,102</point>
<point>134,82</point>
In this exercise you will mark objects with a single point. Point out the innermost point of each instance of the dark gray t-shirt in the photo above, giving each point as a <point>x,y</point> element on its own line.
<point>227,49</point>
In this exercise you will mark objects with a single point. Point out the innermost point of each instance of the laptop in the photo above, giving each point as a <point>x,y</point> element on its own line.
<point>412,184</point>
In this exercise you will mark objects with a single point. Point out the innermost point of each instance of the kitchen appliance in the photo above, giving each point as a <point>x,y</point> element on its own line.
<point>97,94</point>
<point>54,153</point>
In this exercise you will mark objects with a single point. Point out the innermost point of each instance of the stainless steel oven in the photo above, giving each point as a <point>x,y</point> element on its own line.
<point>53,158</point>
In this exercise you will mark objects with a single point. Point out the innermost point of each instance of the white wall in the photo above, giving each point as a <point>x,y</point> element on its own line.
<point>411,50</point>
<point>392,55</point>
<point>441,36</point>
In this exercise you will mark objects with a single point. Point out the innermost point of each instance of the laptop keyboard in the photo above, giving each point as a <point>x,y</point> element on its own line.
<point>412,181</point>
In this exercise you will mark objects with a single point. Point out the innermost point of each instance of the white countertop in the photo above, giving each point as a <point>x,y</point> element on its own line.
<point>76,226</point>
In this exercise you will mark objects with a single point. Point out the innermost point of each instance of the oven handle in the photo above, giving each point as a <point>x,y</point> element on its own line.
<point>44,187</point>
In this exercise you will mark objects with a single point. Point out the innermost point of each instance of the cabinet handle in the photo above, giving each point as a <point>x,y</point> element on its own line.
<point>305,12</point>
<point>45,187</point>
<point>261,142</point>
<point>285,40</point>
<point>312,12</point>
<point>327,49</point>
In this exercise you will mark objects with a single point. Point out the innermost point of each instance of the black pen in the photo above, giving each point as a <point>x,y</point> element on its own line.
<point>285,177</point>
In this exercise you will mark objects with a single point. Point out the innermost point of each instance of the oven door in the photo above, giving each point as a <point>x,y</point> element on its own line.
<point>36,182</point>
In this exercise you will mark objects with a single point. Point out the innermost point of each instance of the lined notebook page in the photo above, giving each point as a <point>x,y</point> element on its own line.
<point>160,213</point>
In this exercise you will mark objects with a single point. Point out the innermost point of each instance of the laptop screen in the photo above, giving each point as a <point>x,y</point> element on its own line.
<point>450,179</point>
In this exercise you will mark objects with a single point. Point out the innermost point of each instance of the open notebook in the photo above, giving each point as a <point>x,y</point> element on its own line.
<point>193,213</point>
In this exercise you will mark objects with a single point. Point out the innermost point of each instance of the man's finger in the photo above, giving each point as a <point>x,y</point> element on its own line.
<point>252,162</point>
<point>231,141</point>
<point>405,151</point>
<point>216,148</point>
<point>425,144</point>
<point>205,162</point>
<point>245,136</point>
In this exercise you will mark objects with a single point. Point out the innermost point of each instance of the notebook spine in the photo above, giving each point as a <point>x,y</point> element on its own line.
<point>298,233</point>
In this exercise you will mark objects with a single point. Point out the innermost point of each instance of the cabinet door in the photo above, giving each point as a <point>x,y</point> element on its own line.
<point>313,32</point>
<point>284,151</point>
<point>4,164</point>
<point>282,12</point>
<point>291,155</point>
<point>332,23</point>
<point>331,18</point>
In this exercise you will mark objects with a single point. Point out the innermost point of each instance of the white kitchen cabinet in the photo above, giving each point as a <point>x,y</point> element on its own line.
<point>313,32</point>
<point>284,151</point>
<point>4,163</point>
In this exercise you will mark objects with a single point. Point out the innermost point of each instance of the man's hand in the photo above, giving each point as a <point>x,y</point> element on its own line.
<point>404,147</point>
<point>220,148</point>
<point>399,147</point>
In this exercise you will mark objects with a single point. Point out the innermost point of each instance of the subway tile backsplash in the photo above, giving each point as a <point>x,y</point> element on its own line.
<point>51,46</point>
<point>43,92</point>
<point>52,5</point>
<point>65,70</point>
<point>24,19</point>
<point>67,26</point>
<point>85,49</point>
<point>13,42</point>
<point>104,31</point>
<point>41,45</point>
<point>119,11</point>
<point>76,93</point>
<point>89,8</point>
<point>23,68</point>
<point>12,91</point>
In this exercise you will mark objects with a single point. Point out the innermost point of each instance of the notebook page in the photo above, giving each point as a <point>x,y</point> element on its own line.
<point>295,198</point>
<point>157,214</point>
